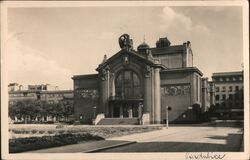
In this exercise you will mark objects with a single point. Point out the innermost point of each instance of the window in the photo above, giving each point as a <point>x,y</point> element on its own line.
<point>223,89</point>
<point>236,97</point>
<point>227,79</point>
<point>217,89</point>
<point>221,79</point>
<point>236,88</point>
<point>217,97</point>
<point>127,85</point>
<point>223,104</point>
<point>240,78</point>
<point>230,89</point>
<point>223,97</point>
<point>230,97</point>
<point>234,79</point>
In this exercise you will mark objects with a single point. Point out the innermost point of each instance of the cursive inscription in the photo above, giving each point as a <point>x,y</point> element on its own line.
<point>205,155</point>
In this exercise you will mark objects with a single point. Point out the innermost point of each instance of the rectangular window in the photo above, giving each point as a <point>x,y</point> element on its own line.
<point>223,104</point>
<point>217,97</point>
<point>236,88</point>
<point>236,97</point>
<point>223,89</point>
<point>230,89</point>
<point>217,89</point>
<point>230,97</point>
<point>223,97</point>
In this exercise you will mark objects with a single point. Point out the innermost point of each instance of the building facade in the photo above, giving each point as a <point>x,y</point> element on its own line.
<point>229,94</point>
<point>140,84</point>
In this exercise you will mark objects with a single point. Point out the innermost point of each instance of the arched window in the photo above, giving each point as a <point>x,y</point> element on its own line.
<point>127,85</point>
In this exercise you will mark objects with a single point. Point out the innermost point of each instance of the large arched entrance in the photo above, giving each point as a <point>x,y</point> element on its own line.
<point>128,98</point>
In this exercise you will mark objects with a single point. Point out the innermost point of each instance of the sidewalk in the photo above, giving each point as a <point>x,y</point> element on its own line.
<point>86,147</point>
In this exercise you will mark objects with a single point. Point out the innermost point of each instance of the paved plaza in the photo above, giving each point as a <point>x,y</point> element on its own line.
<point>174,139</point>
<point>184,139</point>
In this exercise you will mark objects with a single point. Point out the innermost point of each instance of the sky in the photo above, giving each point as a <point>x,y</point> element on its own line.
<point>50,45</point>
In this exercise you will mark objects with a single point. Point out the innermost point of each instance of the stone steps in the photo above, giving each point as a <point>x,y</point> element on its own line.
<point>119,121</point>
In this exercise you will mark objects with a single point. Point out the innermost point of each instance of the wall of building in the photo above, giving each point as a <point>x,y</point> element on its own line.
<point>178,90</point>
<point>174,60</point>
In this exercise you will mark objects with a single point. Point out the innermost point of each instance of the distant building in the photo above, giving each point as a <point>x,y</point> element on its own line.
<point>138,85</point>
<point>229,94</point>
<point>47,92</point>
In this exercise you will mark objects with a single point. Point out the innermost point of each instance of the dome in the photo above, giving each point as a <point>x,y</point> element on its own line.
<point>143,46</point>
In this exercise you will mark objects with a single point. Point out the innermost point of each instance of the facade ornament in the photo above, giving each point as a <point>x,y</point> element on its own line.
<point>147,71</point>
<point>112,75</point>
<point>125,42</point>
<point>149,55</point>
<point>104,73</point>
<point>126,61</point>
<point>104,58</point>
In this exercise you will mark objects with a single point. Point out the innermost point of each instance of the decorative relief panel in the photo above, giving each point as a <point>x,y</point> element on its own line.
<point>88,93</point>
<point>175,90</point>
<point>104,73</point>
<point>147,71</point>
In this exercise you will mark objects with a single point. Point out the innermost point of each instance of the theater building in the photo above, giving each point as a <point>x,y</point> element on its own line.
<point>135,86</point>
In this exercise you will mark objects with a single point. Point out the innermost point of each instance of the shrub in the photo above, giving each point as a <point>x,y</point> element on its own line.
<point>61,131</point>
<point>33,131</point>
<point>33,143</point>
<point>59,126</point>
<point>41,131</point>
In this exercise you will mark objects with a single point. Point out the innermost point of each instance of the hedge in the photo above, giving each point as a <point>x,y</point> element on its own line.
<point>35,143</point>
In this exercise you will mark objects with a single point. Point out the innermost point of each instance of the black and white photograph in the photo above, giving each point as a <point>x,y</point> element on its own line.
<point>125,80</point>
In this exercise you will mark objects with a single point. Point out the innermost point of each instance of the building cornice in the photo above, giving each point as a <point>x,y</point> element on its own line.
<point>187,69</point>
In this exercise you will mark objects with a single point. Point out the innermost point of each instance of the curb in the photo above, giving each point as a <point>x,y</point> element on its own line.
<point>108,147</point>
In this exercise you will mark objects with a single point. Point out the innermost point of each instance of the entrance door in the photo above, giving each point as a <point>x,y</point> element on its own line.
<point>116,111</point>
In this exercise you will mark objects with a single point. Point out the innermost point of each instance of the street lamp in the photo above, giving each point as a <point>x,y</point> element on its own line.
<point>168,108</point>
<point>94,107</point>
<point>140,112</point>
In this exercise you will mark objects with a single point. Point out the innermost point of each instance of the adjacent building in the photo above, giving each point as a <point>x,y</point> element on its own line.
<point>137,85</point>
<point>229,99</point>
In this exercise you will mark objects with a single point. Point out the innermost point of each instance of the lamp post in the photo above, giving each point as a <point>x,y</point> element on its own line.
<point>94,108</point>
<point>140,112</point>
<point>168,108</point>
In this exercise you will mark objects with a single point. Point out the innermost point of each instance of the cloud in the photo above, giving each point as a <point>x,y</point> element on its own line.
<point>26,66</point>
<point>170,17</point>
<point>180,25</point>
